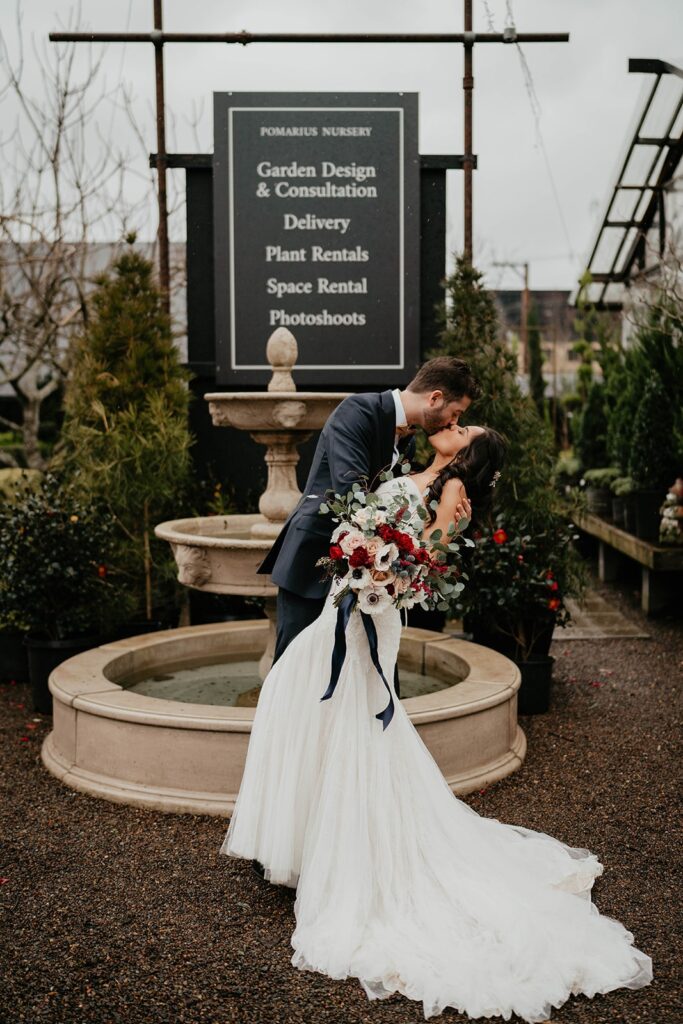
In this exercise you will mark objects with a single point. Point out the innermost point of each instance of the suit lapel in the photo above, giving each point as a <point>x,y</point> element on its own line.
<point>387,427</point>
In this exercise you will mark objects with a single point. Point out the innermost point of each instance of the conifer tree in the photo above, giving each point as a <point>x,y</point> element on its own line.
<point>470,331</point>
<point>536,382</point>
<point>125,437</point>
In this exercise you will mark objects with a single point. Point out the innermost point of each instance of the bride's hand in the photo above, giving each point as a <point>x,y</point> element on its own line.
<point>463,510</point>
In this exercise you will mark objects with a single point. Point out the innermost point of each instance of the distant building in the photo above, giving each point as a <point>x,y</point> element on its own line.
<point>558,334</point>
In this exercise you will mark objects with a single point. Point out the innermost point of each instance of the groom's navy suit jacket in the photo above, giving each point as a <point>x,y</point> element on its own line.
<point>356,444</point>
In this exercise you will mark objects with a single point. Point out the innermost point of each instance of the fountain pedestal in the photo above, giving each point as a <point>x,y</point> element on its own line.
<point>221,554</point>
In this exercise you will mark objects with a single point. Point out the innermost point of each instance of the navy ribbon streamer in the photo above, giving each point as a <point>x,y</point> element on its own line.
<point>346,606</point>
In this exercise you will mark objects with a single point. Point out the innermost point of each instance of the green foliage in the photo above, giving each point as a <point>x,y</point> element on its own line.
<point>529,505</point>
<point>519,582</point>
<point>622,486</point>
<point>536,382</point>
<point>591,445</point>
<point>57,572</point>
<point>125,440</point>
<point>601,477</point>
<point>470,331</point>
<point>652,463</point>
<point>567,469</point>
<point>656,349</point>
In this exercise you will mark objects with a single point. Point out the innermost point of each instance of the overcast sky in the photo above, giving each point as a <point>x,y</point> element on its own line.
<point>587,98</point>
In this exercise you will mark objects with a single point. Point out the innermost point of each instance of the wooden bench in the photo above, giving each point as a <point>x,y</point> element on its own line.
<point>659,586</point>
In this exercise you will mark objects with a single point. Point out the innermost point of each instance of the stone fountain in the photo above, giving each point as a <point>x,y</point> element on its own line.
<point>135,721</point>
<point>220,554</point>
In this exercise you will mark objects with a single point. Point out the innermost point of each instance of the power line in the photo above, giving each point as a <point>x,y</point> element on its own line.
<point>536,111</point>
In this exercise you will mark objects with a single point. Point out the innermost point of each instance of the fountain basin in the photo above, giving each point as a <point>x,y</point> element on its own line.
<point>219,553</point>
<point>181,757</point>
<point>268,411</point>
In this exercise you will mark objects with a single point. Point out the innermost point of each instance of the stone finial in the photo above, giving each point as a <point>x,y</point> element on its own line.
<point>281,352</point>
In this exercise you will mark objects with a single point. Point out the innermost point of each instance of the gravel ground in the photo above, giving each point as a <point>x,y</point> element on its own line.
<point>112,915</point>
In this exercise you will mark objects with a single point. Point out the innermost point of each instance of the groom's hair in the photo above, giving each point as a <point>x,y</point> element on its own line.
<point>448,374</point>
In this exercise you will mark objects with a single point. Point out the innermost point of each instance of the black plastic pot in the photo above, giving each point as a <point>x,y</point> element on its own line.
<point>13,656</point>
<point>533,697</point>
<point>630,513</point>
<point>132,627</point>
<point>599,501</point>
<point>618,510</point>
<point>44,655</point>
<point>648,517</point>
<point>488,636</point>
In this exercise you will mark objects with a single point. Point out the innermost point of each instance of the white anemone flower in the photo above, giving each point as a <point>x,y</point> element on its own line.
<point>358,578</point>
<point>387,554</point>
<point>374,600</point>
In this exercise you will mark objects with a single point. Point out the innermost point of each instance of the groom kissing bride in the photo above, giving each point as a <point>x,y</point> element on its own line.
<point>399,883</point>
<point>366,434</point>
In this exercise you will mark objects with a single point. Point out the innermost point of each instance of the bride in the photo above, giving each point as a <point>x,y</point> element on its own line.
<point>398,882</point>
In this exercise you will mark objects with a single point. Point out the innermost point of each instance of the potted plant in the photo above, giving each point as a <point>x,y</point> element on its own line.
<point>652,458</point>
<point>56,578</point>
<point>598,484</point>
<point>519,582</point>
<point>622,489</point>
<point>567,472</point>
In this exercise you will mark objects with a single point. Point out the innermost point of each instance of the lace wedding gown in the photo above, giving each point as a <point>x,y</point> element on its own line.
<point>398,882</point>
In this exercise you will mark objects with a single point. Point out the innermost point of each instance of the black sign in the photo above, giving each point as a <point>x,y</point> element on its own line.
<point>317,229</point>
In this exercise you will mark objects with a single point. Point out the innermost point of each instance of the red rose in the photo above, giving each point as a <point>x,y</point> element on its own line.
<point>360,558</point>
<point>520,558</point>
<point>549,576</point>
<point>385,532</point>
<point>404,542</point>
<point>101,571</point>
<point>554,604</point>
<point>554,585</point>
<point>499,537</point>
<point>336,552</point>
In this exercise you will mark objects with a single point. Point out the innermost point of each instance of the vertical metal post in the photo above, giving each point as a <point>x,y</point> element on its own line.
<point>468,87</point>
<point>162,233</point>
<point>524,321</point>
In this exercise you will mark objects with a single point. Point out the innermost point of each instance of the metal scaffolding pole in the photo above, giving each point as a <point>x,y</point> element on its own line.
<point>159,38</point>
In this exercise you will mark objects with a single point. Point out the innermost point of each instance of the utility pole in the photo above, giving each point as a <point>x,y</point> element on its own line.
<point>162,232</point>
<point>467,159</point>
<point>523,270</point>
<point>158,38</point>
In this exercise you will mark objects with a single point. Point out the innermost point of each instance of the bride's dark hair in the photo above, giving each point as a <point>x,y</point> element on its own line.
<point>476,465</point>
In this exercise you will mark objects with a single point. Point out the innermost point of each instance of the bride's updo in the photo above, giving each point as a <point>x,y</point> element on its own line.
<point>478,466</point>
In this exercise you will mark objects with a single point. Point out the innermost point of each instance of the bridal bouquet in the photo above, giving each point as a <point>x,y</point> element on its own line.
<point>377,556</point>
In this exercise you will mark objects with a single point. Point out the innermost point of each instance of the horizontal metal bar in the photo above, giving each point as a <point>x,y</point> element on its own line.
<point>652,66</point>
<point>647,141</point>
<point>302,37</point>
<point>175,160</point>
<point>621,224</point>
<point>428,162</point>
<point>616,277</point>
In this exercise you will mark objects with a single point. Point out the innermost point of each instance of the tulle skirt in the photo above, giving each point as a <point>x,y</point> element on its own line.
<point>398,882</point>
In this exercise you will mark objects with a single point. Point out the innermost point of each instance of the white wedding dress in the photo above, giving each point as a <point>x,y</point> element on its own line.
<point>399,883</point>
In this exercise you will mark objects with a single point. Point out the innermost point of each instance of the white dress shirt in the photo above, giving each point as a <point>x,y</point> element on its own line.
<point>401,421</point>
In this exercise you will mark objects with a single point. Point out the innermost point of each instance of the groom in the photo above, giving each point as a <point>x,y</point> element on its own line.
<point>365,434</point>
